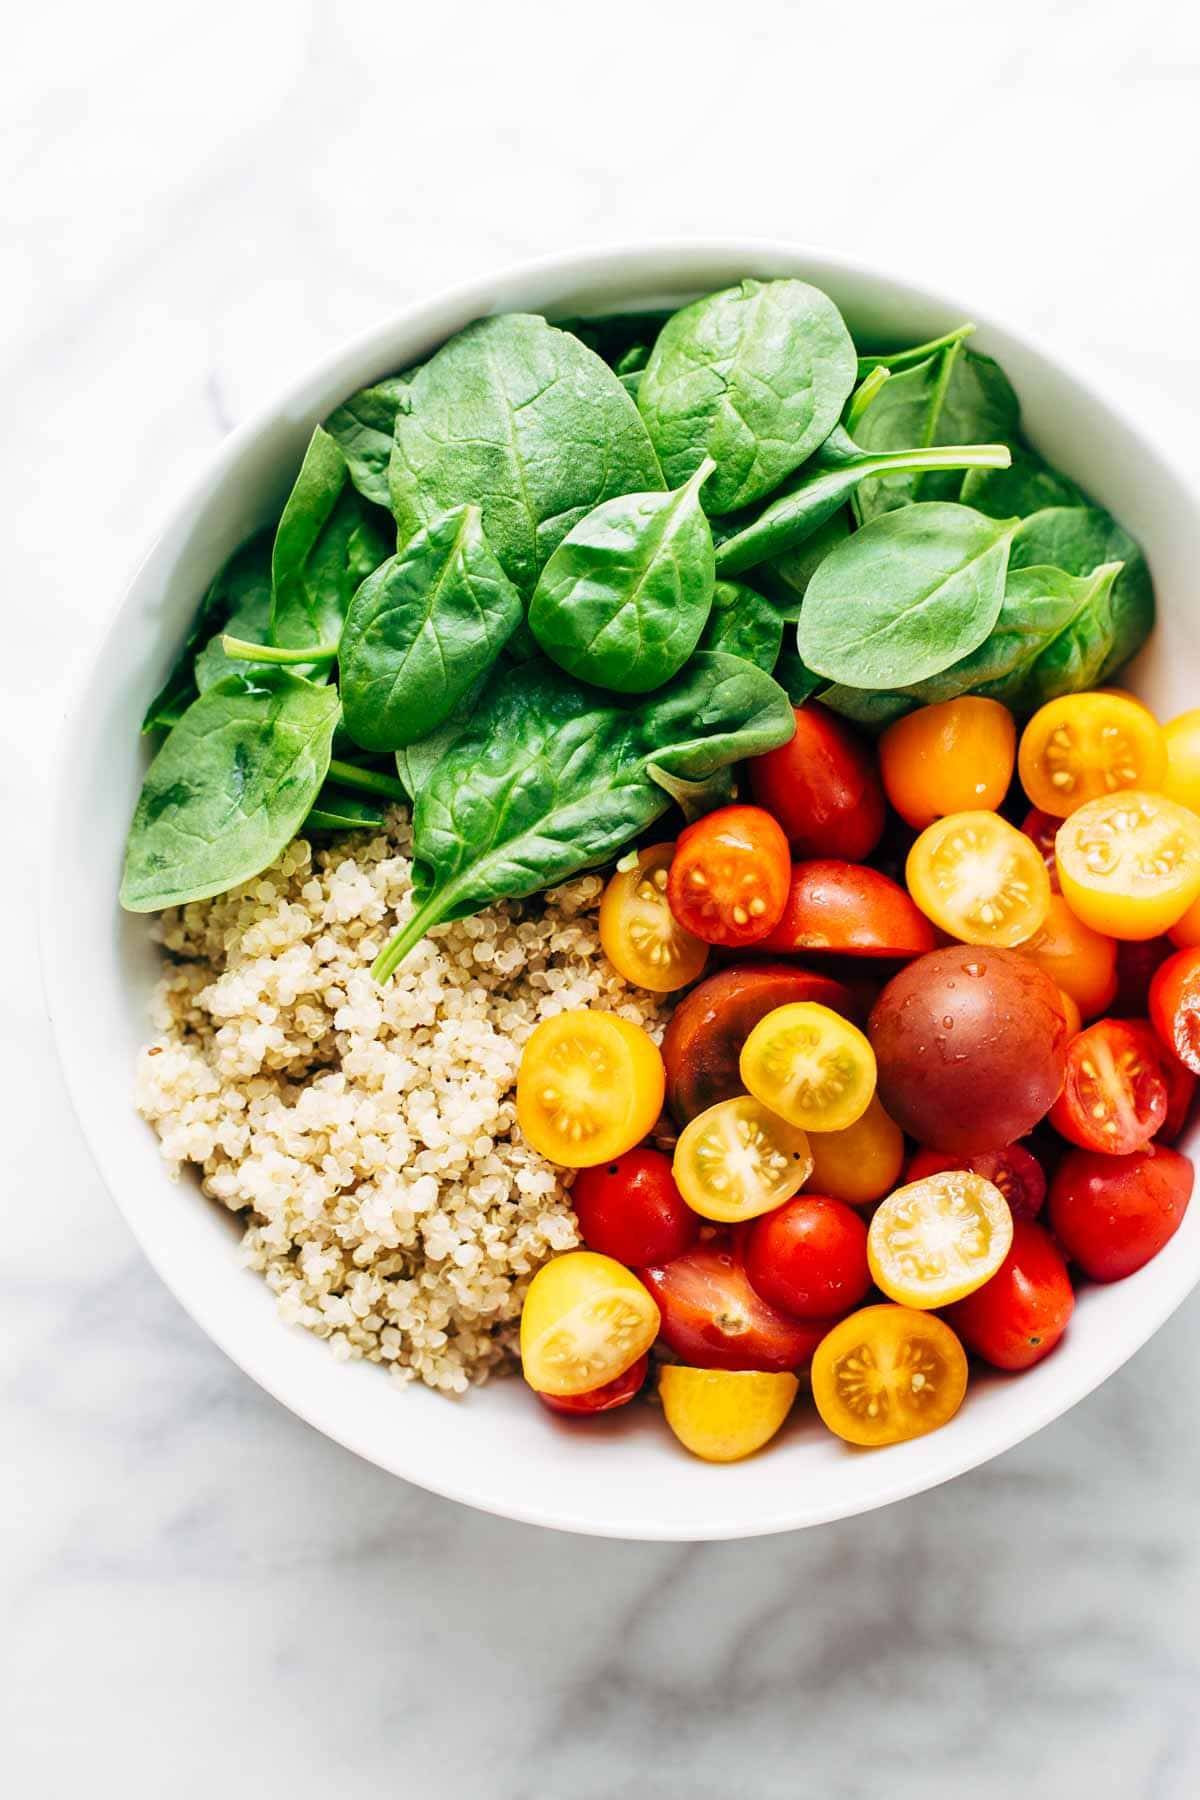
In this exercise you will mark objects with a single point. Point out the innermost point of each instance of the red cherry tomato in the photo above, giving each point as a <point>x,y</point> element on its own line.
<point>729,876</point>
<point>1014,1170</point>
<point>1042,827</point>
<point>1114,1097</point>
<point>1112,1214</point>
<point>1017,1317</point>
<point>1175,1006</point>
<point>840,907</point>
<point>617,1392</point>
<point>1181,1091</point>
<point>809,1257</point>
<point>713,1319</point>
<point>823,787</point>
<point>1137,961</point>
<point>631,1209</point>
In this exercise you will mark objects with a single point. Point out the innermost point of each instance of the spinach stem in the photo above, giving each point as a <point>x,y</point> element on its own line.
<point>408,936</point>
<point>904,359</point>
<point>369,780</point>
<point>244,651</point>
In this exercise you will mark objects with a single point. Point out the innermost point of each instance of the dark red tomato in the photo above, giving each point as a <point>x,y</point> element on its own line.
<point>1114,1096</point>
<point>823,787</point>
<point>632,1210</point>
<point>1042,827</point>
<point>713,1319</point>
<point>809,1257</point>
<point>728,880</point>
<point>1017,1317</point>
<point>1136,965</point>
<point>1175,1006</point>
<point>1014,1170</point>
<point>839,907</point>
<point>1181,1091</point>
<point>709,1026</point>
<point>1112,1214</point>
<point>617,1392</point>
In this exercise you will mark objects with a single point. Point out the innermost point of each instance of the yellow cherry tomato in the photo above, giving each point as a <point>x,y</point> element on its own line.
<point>888,1373</point>
<point>861,1163</point>
<point>939,1239</point>
<point>737,1160</point>
<point>586,1320</point>
<point>1088,746</point>
<point>1182,779</point>
<point>980,879</point>
<point>638,931</point>
<point>1071,1013</point>
<point>954,757</point>
<point>1185,933</point>
<point>1129,866</point>
<point>810,1066</point>
<point>1077,959</point>
<point>590,1087</point>
<point>722,1415</point>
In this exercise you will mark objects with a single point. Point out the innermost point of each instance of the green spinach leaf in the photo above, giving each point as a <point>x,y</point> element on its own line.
<point>238,588</point>
<point>744,623</point>
<point>953,397</point>
<point>334,811</point>
<point>1028,486</point>
<point>248,589</point>
<point>327,541</point>
<point>785,578</point>
<point>363,428</point>
<point>1079,539</point>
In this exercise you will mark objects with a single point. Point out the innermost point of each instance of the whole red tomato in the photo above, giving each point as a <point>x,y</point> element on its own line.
<point>713,1319</point>
<point>1017,1317</point>
<point>1112,1214</point>
<point>729,876</point>
<point>809,1257</point>
<point>1175,1006</point>
<point>1014,1170</point>
<point>632,1210</point>
<point>823,787</point>
<point>618,1392</point>
<point>839,907</point>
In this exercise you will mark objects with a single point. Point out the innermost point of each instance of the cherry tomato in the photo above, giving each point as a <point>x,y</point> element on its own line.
<point>723,1415</point>
<point>632,1210</point>
<point>809,1258</point>
<point>590,1087</point>
<point>729,878</point>
<point>980,879</point>
<point>639,933</point>
<point>1017,1318</point>
<point>713,1318</point>
<point>585,1321</point>
<point>1130,866</point>
<point>954,757</point>
<point>738,1160</point>
<point>861,1163</point>
<point>704,1038</point>
<point>935,1240</point>
<point>1181,1091</point>
<point>1185,933</point>
<point>1071,1012</point>
<point>1137,959</point>
<point>1078,960</point>
<point>1042,829</point>
<point>1182,779</point>
<point>822,787</point>
<point>888,1373</point>
<point>1089,747</point>
<point>1015,1171</point>
<point>1115,1094</point>
<point>851,911</point>
<point>1175,1006</point>
<point>809,1065</point>
<point>618,1392</point>
<point>1112,1214</point>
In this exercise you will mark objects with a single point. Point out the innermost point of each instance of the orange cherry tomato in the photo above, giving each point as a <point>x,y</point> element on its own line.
<point>1115,1095</point>
<point>722,1415</point>
<point>729,877</point>
<point>980,879</point>
<point>1071,1012</point>
<point>1088,747</point>
<point>860,1163</point>
<point>639,933</point>
<point>1078,960</point>
<point>1182,779</point>
<point>851,911</point>
<point>823,788</point>
<point>888,1373</point>
<point>1130,865</point>
<point>1185,933</point>
<point>590,1086</point>
<point>1175,1006</point>
<point>954,757</point>
<point>1042,827</point>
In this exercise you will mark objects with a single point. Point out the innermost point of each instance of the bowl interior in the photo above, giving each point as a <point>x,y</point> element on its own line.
<point>495,1449</point>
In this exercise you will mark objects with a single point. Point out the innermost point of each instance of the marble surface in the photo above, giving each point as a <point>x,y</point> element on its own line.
<point>197,1593</point>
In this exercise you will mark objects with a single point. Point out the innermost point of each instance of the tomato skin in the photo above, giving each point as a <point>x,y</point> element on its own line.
<point>1084,747</point>
<point>955,756</point>
<point>1181,1091</point>
<point>1137,959</point>
<point>1113,1214</point>
<point>1182,779</point>
<point>631,1209</point>
<point>713,1319</point>
<point>809,1258</point>
<point>723,1415</point>
<point>860,1164</point>
<point>1082,962</point>
<point>729,876</point>
<point>1014,1170</point>
<point>1114,1096</point>
<point>1042,827</point>
<point>839,907</point>
<point>618,1392</point>
<point>1017,1317</point>
<point>822,787</point>
<point>1175,1006</point>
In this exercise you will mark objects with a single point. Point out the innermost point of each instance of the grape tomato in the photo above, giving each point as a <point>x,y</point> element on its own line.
<point>823,788</point>
<point>728,880</point>
<point>713,1319</point>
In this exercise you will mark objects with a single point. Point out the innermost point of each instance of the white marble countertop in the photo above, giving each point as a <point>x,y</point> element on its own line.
<point>197,1593</point>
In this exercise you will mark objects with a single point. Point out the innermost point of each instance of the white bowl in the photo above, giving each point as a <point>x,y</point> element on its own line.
<point>497,1449</point>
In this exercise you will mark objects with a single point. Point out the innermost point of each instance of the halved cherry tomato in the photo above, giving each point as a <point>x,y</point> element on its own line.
<point>823,788</point>
<point>888,1373</point>
<point>860,1163</point>
<point>1115,1095</point>
<point>935,1240</point>
<point>1042,829</point>
<point>713,1318</point>
<point>585,1321</point>
<point>809,1257</point>
<point>632,1210</point>
<point>1181,1091</point>
<point>1089,747</point>
<point>1182,779</point>
<point>1112,1214</point>
<point>1077,959</point>
<point>1014,1170</point>
<point>1175,1006</point>
<point>954,757</point>
<point>618,1392</point>
<point>980,879</point>
<point>723,1415</point>
<point>639,933</point>
<point>704,1038</point>
<point>851,911</point>
<point>738,1160</point>
<point>1017,1318</point>
<point>590,1087</point>
<point>729,878</point>
<point>1130,866</point>
<point>1137,959</point>
<point>810,1066</point>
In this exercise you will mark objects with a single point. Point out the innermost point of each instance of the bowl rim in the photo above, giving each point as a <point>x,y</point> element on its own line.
<point>471,296</point>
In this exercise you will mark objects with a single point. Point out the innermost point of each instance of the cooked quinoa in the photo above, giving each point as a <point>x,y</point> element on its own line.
<point>368,1135</point>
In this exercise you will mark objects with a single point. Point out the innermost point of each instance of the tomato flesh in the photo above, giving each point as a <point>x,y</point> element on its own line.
<point>935,1240</point>
<point>980,879</point>
<point>713,1319</point>
<point>809,1258</point>
<point>1017,1318</point>
<point>618,1392</point>
<point>1114,1097</point>
<point>632,1210</point>
<point>728,882</point>
<point>1175,1006</point>
<point>589,1087</point>
<point>1113,1214</point>
<point>1014,1170</point>
<point>851,911</point>
<point>823,788</point>
<point>738,1160</point>
<point>639,933</point>
<point>1130,866</point>
<point>809,1065</point>
<point>888,1373</point>
<point>1084,747</point>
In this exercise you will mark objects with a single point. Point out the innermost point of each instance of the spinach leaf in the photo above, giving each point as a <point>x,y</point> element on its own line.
<point>743,623</point>
<point>328,539</point>
<point>335,811</point>
<point>421,629</point>
<point>363,428</point>
<point>229,788</point>
<point>238,586</point>
<point>617,336</point>
<point>755,377</point>
<point>1028,486</point>
<point>907,595</point>
<point>525,422</point>
<point>893,360</point>
<point>873,709</point>
<point>785,578</point>
<point>249,590</point>
<point>623,600</point>
<point>862,397</point>
<point>953,397</point>
<point>1079,539</point>
<point>550,778</point>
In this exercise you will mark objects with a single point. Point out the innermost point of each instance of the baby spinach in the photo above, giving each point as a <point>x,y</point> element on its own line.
<point>327,541</point>
<point>1079,539</point>
<point>618,336</point>
<point>907,595</point>
<point>335,811</point>
<point>421,629</point>
<point>623,600</point>
<point>892,360</point>
<point>230,787</point>
<point>1028,486</point>
<point>755,377</point>
<point>785,577</point>
<point>744,623</point>
<point>549,778</point>
<point>240,589</point>
<point>363,428</point>
<point>522,420</point>
<point>249,618</point>
<point>952,397</point>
